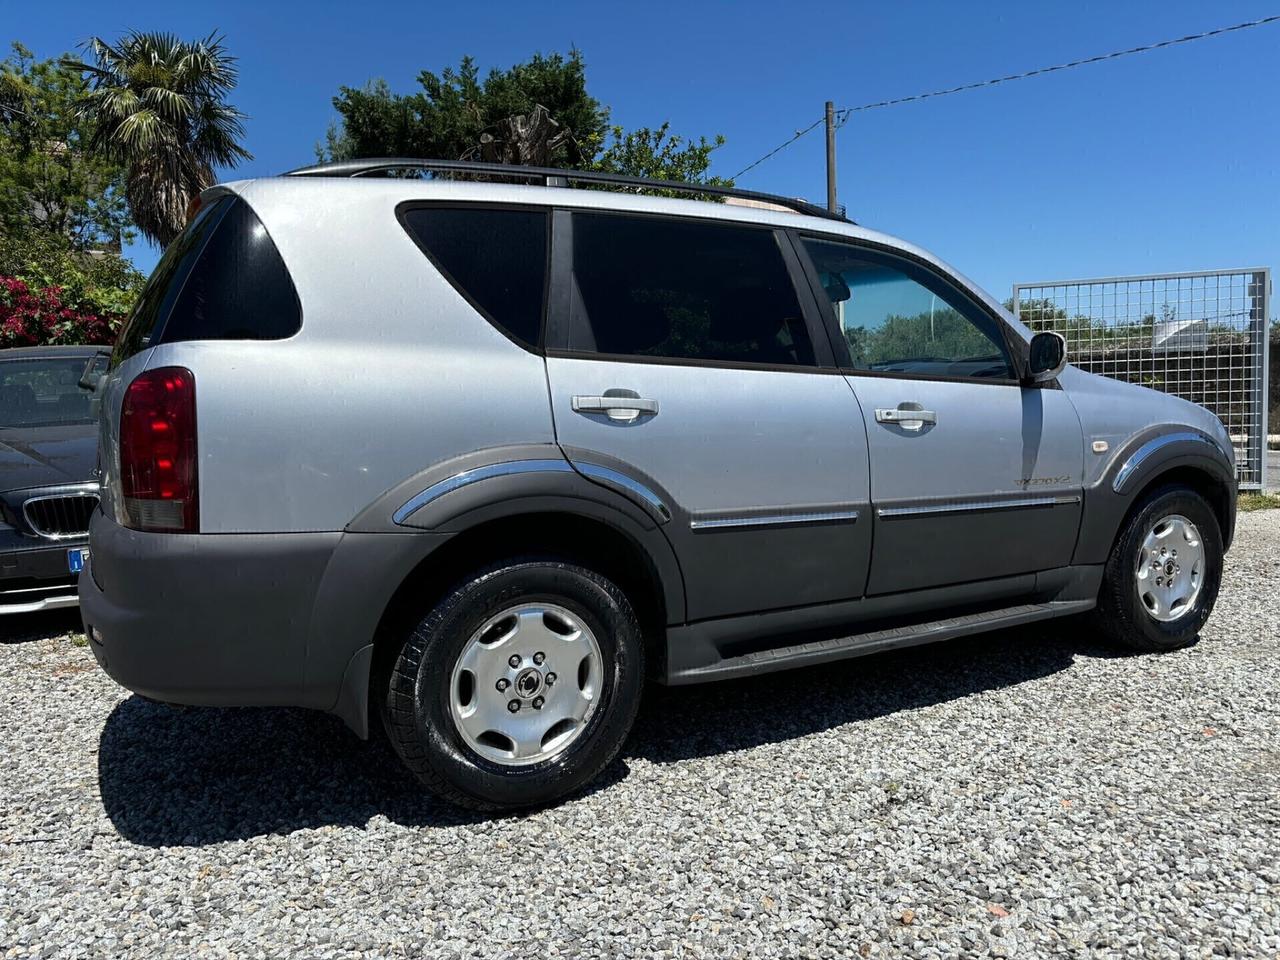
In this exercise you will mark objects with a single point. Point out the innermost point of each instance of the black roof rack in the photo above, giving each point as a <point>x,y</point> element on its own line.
<point>551,177</point>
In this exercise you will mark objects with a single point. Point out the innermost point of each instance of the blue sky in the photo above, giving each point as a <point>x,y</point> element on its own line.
<point>1164,161</point>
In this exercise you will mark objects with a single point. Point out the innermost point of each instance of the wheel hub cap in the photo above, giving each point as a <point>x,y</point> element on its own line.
<point>1170,568</point>
<point>526,684</point>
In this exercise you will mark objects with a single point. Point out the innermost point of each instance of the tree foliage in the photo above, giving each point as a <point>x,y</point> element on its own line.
<point>157,105</point>
<point>50,182</point>
<point>660,155</point>
<point>943,334</point>
<point>62,213</point>
<point>503,117</point>
<point>446,118</point>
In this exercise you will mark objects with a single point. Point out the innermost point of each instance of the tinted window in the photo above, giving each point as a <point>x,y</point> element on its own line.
<point>238,288</point>
<point>899,317</point>
<point>165,283</point>
<point>43,391</point>
<point>495,258</point>
<point>648,287</point>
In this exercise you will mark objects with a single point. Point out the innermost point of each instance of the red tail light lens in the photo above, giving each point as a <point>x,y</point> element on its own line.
<point>158,482</point>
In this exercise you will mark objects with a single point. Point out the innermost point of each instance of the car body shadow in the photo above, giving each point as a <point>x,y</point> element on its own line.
<point>195,776</point>
<point>46,625</point>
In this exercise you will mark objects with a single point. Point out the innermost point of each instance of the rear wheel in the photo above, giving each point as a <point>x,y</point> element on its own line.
<point>519,687</point>
<point>1162,577</point>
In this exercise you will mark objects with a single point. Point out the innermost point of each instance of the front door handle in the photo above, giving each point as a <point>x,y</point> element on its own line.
<point>908,416</point>
<point>623,409</point>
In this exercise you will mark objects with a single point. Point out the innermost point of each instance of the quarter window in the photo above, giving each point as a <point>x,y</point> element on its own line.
<point>897,317</point>
<point>684,290</point>
<point>496,258</point>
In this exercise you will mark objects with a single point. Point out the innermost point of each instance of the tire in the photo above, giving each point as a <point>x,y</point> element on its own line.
<point>479,630</point>
<point>1141,613</point>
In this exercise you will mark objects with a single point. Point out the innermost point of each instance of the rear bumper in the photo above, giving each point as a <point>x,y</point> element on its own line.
<point>215,619</point>
<point>34,574</point>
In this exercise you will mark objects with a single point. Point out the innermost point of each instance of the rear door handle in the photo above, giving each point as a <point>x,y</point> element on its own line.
<point>624,409</point>
<point>905,416</point>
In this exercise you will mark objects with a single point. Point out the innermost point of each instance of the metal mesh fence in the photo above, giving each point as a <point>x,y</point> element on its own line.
<point>1201,336</point>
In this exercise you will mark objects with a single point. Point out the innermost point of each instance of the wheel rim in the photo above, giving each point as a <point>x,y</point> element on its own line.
<point>526,684</point>
<point>1170,568</point>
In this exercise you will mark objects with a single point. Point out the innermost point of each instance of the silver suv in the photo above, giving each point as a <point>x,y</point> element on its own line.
<point>471,458</point>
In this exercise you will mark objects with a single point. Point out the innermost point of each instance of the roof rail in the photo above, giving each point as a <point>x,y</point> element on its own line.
<point>552,177</point>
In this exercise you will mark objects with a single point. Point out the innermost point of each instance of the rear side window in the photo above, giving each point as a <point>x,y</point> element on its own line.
<point>165,283</point>
<point>496,258</point>
<point>238,289</point>
<point>685,290</point>
<point>222,279</point>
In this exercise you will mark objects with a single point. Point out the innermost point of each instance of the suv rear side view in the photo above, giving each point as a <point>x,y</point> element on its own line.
<point>472,460</point>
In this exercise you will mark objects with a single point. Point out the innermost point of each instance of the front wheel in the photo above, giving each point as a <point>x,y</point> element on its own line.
<point>518,687</point>
<point>1163,574</point>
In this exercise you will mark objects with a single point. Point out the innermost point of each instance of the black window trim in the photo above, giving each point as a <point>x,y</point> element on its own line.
<point>1014,344</point>
<point>557,323</point>
<point>406,206</point>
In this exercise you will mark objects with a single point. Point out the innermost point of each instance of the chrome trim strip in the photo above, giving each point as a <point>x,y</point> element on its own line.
<point>48,603</point>
<point>772,520</point>
<point>475,475</point>
<point>626,484</point>
<point>1135,459</point>
<point>891,513</point>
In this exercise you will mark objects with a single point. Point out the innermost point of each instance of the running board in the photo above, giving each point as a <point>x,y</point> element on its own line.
<point>861,644</point>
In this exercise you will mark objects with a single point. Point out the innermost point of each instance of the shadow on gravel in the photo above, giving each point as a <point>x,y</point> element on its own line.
<point>195,776</point>
<point>199,776</point>
<point>679,723</point>
<point>25,627</point>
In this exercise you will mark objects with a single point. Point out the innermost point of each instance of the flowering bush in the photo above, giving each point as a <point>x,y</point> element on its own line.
<point>31,316</point>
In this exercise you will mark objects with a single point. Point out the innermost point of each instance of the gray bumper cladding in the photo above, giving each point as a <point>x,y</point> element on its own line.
<point>214,620</point>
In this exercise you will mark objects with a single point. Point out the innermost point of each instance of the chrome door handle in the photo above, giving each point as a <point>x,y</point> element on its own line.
<point>624,409</point>
<point>905,415</point>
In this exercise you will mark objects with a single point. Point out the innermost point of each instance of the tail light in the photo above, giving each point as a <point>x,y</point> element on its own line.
<point>158,482</point>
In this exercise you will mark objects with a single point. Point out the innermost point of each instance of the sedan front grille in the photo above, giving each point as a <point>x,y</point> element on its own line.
<point>61,517</point>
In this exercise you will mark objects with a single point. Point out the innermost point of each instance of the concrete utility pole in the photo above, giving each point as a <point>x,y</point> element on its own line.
<point>831,156</point>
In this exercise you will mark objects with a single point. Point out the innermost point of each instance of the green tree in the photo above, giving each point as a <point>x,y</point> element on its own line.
<point>659,155</point>
<point>62,214</point>
<point>158,107</point>
<point>536,113</point>
<point>448,116</point>
<point>50,181</point>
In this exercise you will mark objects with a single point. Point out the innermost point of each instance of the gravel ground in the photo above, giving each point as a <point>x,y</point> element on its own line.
<point>1026,793</point>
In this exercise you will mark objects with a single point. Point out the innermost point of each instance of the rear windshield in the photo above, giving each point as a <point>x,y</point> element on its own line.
<point>43,392</point>
<point>222,279</point>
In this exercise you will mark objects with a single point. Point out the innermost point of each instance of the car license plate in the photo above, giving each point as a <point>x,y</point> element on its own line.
<point>77,558</point>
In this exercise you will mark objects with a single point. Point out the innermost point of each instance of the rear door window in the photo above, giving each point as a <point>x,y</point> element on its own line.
<point>495,257</point>
<point>648,287</point>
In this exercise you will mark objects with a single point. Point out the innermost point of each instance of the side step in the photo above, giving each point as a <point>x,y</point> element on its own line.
<point>861,644</point>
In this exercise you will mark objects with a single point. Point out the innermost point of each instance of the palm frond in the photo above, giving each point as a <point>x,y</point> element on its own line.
<point>158,104</point>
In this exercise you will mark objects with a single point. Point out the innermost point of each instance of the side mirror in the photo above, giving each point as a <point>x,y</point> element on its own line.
<point>94,370</point>
<point>1047,356</point>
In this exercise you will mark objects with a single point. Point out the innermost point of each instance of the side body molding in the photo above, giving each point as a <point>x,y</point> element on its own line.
<point>414,512</point>
<point>1142,459</point>
<point>1132,465</point>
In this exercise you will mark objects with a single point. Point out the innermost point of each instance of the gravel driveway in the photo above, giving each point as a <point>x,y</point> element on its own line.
<point>1026,793</point>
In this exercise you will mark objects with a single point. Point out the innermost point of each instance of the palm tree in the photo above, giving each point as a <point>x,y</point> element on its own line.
<point>157,105</point>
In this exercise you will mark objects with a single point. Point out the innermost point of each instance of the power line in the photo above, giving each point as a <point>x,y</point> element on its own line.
<point>846,111</point>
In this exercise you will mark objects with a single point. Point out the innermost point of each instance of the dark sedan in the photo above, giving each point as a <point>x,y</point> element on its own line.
<point>48,491</point>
